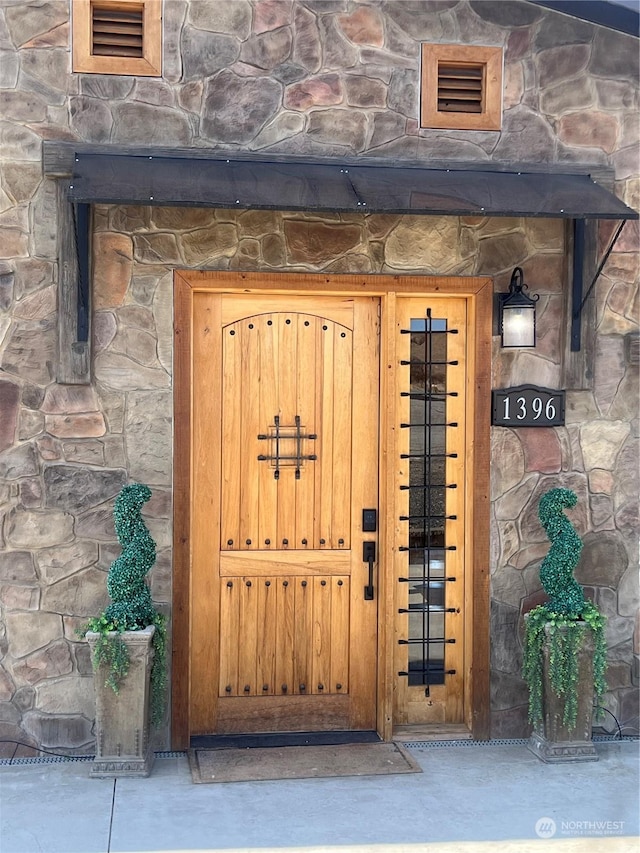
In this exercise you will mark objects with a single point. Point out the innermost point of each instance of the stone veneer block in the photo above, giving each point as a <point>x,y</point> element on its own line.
<point>123,745</point>
<point>551,740</point>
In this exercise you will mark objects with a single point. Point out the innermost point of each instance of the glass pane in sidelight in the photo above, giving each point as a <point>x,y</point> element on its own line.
<point>427,581</point>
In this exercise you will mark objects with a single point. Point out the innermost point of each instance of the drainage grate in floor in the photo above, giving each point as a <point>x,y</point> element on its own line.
<point>417,744</point>
<point>45,759</point>
<point>64,759</point>
<point>467,744</point>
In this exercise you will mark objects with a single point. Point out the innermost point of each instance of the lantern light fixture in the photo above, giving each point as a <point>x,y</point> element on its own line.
<point>517,314</point>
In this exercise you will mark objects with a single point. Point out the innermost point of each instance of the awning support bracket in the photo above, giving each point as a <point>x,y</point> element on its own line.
<point>577,297</point>
<point>74,291</point>
<point>81,219</point>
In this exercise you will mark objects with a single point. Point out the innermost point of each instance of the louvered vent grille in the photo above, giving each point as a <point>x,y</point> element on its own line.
<point>460,88</point>
<point>117,32</point>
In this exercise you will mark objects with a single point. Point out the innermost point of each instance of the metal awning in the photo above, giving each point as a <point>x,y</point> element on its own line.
<point>189,180</point>
<point>200,178</point>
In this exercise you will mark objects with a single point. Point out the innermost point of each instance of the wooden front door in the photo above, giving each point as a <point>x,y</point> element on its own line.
<point>284,460</point>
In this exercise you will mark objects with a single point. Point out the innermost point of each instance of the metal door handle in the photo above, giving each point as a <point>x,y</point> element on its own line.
<point>369,556</point>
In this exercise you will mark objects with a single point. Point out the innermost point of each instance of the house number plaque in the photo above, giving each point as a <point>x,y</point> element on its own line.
<point>527,406</point>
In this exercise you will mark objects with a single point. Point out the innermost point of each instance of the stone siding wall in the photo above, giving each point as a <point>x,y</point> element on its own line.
<point>327,78</point>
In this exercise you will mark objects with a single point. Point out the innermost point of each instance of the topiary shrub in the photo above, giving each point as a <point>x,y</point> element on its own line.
<point>131,607</point>
<point>567,613</point>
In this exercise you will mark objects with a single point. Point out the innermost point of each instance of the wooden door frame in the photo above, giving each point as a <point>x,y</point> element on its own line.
<point>479,293</point>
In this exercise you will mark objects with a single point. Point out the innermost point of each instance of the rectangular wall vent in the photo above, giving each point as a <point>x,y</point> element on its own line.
<point>460,88</point>
<point>116,31</point>
<point>632,348</point>
<point>117,37</point>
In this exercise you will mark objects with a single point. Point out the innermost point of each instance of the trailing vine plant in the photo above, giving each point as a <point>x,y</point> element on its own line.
<point>567,613</point>
<point>131,607</point>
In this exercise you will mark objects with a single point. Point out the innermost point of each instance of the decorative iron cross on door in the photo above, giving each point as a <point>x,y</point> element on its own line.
<point>280,435</point>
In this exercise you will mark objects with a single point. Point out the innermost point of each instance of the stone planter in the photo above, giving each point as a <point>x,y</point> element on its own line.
<point>123,745</point>
<point>551,740</point>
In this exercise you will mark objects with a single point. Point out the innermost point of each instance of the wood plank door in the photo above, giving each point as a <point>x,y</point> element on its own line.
<point>284,459</point>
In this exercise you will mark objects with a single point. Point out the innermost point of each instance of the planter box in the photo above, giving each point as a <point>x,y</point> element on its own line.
<point>551,740</point>
<point>123,745</point>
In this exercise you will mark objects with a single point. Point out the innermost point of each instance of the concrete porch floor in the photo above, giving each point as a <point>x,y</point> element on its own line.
<point>495,798</point>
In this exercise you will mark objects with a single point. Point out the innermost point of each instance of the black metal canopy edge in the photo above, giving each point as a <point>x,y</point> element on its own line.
<point>59,155</point>
<point>613,16</point>
<point>290,184</point>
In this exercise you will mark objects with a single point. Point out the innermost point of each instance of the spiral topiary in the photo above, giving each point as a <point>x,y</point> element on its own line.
<point>564,619</point>
<point>556,572</point>
<point>131,607</point>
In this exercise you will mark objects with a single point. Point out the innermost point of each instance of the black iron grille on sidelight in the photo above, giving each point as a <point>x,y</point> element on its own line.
<point>427,548</point>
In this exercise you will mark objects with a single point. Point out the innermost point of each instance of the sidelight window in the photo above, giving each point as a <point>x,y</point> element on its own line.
<point>427,574</point>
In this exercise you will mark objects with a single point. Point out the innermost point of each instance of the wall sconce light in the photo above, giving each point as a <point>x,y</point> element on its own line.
<point>517,314</point>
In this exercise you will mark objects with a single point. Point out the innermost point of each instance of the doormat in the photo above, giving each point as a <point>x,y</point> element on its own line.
<point>299,762</point>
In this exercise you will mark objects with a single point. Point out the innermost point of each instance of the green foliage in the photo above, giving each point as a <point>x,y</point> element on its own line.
<point>567,614</point>
<point>131,608</point>
<point>556,573</point>
<point>109,650</point>
<point>158,686</point>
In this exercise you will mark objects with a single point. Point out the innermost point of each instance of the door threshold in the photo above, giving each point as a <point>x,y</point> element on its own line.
<point>438,731</point>
<point>280,739</point>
